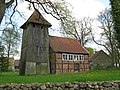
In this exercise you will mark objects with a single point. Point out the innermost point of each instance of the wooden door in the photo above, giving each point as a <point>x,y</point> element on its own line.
<point>76,67</point>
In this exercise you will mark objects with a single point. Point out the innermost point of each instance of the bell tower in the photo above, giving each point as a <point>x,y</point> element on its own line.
<point>35,46</point>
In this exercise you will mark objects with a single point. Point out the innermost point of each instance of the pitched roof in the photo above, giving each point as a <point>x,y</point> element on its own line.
<point>99,53</point>
<point>36,18</point>
<point>66,45</point>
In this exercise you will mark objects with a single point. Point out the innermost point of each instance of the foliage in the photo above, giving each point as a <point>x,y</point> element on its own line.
<point>1,50</point>
<point>96,75</point>
<point>115,4</point>
<point>3,64</point>
<point>99,67</point>
<point>10,40</point>
<point>90,50</point>
<point>3,60</point>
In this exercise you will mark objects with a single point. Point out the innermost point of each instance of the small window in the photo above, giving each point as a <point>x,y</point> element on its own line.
<point>75,57</point>
<point>64,56</point>
<point>33,25</point>
<point>81,57</point>
<point>41,27</point>
<point>69,57</point>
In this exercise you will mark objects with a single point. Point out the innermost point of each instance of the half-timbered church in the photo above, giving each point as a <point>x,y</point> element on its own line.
<point>44,54</point>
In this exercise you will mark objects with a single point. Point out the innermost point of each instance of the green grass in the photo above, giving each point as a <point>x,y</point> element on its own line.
<point>97,75</point>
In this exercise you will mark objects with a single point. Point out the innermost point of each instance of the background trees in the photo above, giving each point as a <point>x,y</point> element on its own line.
<point>3,60</point>
<point>10,39</point>
<point>81,29</point>
<point>108,40</point>
<point>115,4</point>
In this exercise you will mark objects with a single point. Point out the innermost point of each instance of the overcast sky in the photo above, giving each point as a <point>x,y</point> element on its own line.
<point>81,8</point>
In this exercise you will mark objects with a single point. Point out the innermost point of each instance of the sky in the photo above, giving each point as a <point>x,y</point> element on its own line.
<point>81,8</point>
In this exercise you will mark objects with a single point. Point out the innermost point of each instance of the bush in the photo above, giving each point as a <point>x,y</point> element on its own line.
<point>3,64</point>
<point>99,67</point>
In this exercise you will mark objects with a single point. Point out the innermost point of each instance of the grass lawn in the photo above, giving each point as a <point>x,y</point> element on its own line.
<point>97,75</point>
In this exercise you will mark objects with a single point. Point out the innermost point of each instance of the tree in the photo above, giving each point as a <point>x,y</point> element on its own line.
<point>84,30</point>
<point>3,64</point>
<point>107,36</point>
<point>3,6</point>
<point>70,27</point>
<point>48,6</point>
<point>3,60</point>
<point>10,40</point>
<point>78,29</point>
<point>115,5</point>
<point>1,49</point>
<point>90,50</point>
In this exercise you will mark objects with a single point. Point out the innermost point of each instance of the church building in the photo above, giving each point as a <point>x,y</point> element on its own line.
<point>44,54</point>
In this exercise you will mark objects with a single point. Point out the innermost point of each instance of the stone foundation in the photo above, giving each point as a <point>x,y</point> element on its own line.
<point>115,85</point>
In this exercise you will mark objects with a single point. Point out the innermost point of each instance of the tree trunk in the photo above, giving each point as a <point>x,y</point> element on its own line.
<point>2,10</point>
<point>3,7</point>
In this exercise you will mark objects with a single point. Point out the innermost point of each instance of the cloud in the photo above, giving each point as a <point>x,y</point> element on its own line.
<point>82,8</point>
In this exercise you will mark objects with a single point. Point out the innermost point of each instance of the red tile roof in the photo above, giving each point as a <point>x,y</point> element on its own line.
<point>36,18</point>
<point>66,45</point>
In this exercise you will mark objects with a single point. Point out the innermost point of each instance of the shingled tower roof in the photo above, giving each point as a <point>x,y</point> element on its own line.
<point>36,18</point>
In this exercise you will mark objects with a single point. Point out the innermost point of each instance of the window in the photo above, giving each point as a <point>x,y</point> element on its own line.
<point>33,25</point>
<point>81,57</point>
<point>72,57</point>
<point>64,56</point>
<point>75,58</point>
<point>41,27</point>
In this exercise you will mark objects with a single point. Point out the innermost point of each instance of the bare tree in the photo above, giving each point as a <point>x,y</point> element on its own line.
<point>84,30</point>
<point>78,29</point>
<point>108,40</point>
<point>52,7</point>
<point>3,6</point>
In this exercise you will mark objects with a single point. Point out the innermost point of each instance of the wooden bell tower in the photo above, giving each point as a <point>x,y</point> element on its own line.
<point>35,46</point>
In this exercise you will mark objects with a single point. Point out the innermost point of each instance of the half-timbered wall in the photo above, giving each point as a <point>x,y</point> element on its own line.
<point>67,66</point>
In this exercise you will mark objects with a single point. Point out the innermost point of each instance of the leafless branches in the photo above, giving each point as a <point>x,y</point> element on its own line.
<point>9,3</point>
<point>47,6</point>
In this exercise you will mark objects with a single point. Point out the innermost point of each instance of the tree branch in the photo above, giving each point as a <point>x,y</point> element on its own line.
<point>100,44</point>
<point>9,3</point>
<point>13,13</point>
<point>46,3</point>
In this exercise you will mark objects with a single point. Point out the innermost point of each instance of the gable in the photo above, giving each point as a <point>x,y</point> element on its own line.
<point>66,45</point>
<point>36,18</point>
<point>100,56</point>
